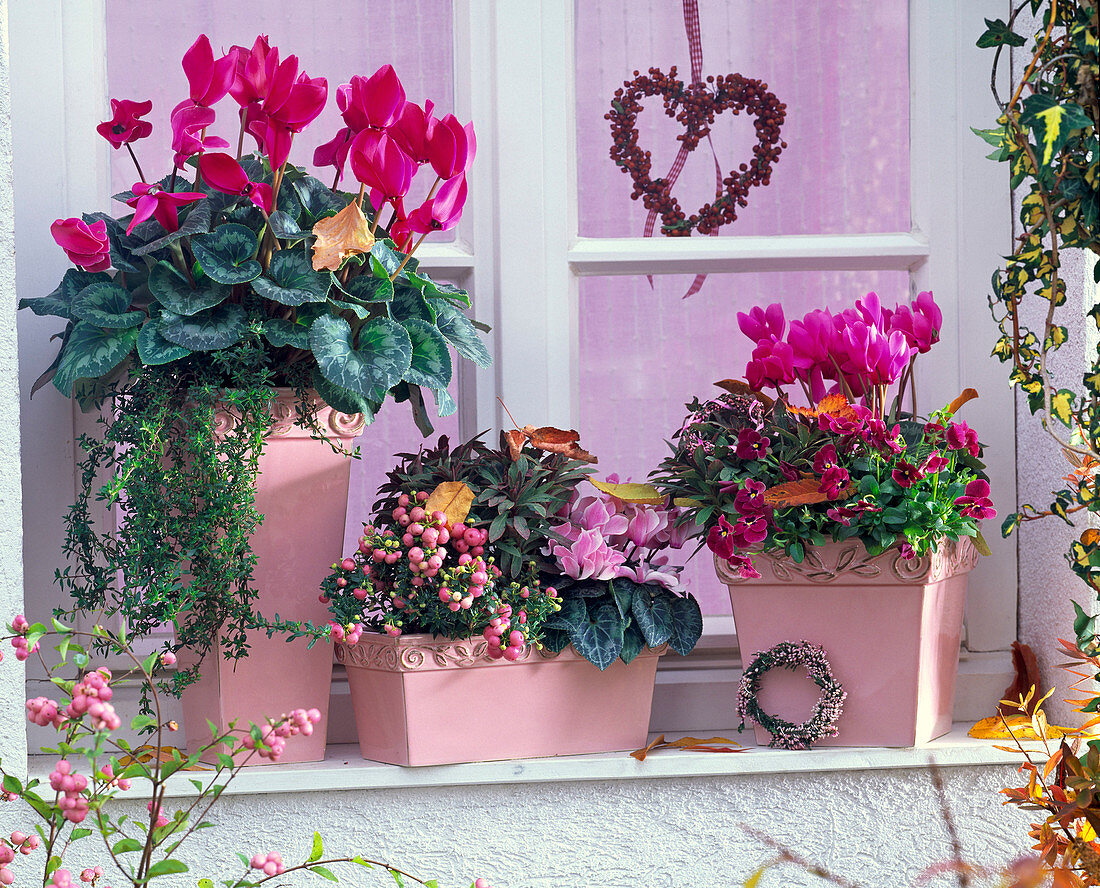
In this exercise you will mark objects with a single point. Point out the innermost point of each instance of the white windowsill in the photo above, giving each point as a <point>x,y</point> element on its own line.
<point>344,769</point>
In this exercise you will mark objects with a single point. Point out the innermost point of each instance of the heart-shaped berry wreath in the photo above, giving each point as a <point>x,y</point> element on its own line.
<point>695,107</point>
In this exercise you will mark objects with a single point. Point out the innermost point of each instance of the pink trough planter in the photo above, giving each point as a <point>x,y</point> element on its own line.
<point>420,700</point>
<point>890,628</point>
<point>302,491</point>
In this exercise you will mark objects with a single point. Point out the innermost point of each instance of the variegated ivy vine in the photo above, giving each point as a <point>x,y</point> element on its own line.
<point>1047,134</point>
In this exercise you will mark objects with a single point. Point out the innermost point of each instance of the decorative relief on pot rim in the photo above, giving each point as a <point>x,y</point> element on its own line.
<point>408,654</point>
<point>284,414</point>
<point>849,561</point>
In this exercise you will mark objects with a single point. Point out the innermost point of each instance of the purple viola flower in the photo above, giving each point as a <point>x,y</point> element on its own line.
<point>934,463</point>
<point>907,551</point>
<point>720,539</point>
<point>834,483</point>
<point>825,459</point>
<point>959,436</point>
<point>744,566</point>
<point>747,534</point>
<point>882,440</point>
<point>762,324</point>
<point>975,502</point>
<point>751,444</point>
<point>905,474</point>
<point>750,503</point>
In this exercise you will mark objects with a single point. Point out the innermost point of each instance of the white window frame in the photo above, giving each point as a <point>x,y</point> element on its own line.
<point>518,250</point>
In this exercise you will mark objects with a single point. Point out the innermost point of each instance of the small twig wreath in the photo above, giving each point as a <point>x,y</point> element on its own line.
<point>790,654</point>
<point>695,106</point>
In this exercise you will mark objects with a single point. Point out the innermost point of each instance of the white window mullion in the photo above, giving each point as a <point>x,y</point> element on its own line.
<point>536,293</point>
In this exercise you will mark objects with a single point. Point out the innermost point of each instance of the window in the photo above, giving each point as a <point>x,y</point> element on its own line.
<point>866,196</point>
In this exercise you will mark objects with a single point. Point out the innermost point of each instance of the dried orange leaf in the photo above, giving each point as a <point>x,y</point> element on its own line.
<point>802,492</point>
<point>1019,727</point>
<point>516,440</point>
<point>689,744</point>
<point>561,441</point>
<point>968,394</point>
<point>630,492</point>
<point>340,236</point>
<point>148,753</point>
<point>740,387</point>
<point>453,499</point>
<point>835,405</point>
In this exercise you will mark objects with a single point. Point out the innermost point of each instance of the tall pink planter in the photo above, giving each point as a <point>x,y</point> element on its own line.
<point>420,700</point>
<point>302,492</point>
<point>890,627</point>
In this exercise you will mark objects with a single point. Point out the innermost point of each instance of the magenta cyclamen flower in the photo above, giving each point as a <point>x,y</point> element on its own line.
<point>222,173</point>
<point>124,126</point>
<point>374,102</point>
<point>152,200</point>
<point>410,130</point>
<point>920,322</point>
<point>189,121</point>
<point>975,502</point>
<point>772,365</point>
<point>751,444</point>
<point>877,358</point>
<point>442,212</point>
<point>379,163</point>
<point>960,436</point>
<point>86,245</point>
<point>208,78</point>
<point>761,324</point>
<point>449,146</point>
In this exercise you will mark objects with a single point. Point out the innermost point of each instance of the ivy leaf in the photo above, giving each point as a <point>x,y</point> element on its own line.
<point>652,610</point>
<point>599,637</point>
<point>91,352</point>
<point>430,365</point>
<point>687,625</point>
<point>291,280</point>
<point>172,290</point>
<point>458,330</point>
<point>209,330</point>
<point>1061,405</point>
<point>1051,123</point>
<point>106,305</point>
<point>998,33</point>
<point>225,254</point>
<point>378,363</point>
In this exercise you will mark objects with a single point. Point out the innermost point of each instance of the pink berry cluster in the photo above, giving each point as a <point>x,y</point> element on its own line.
<point>61,878</point>
<point>70,786</point>
<point>157,815</point>
<point>271,864</point>
<point>91,696</point>
<point>273,737</point>
<point>19,842</point>
<point>92,874</point>
<point>21,628</point>
<point>415,571</point>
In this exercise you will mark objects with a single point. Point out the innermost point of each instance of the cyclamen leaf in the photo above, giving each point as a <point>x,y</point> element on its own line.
<point>687,625</point>
<point>633,642</point>
<point>291,280</point>
<point>383,355</point>
<point>458,330</point>
<point>59,302</point>
<point>215,328</point>
<point>198,221</point>
<point>172,290</point>
<point>341,399</point>
<point>652,610</point>
<point>280,332</point>
<point>599,637</point>
<point>91,352</point>
<point>225,254</point>
<point>431,361</point>
<point>106,305</point>
<point>368,288</point>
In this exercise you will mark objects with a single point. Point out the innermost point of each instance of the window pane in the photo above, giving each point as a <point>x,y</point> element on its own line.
<point>840,67</point>
<point>644,353</point>
<point>333,41</point>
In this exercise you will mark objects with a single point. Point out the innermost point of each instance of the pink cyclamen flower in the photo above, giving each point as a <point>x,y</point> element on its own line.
<point>208,79</point>
<point>772,364</point>
<point>874,357</point>
<point>975,502</point>
<point>189,123</point>
<point>87,246</point>
<point>960,436</point>
<point>153,201</point>
<point>410,130</point>
<point>448,146</point>
<point>124,126</point>
<point>442,212</point>
<point>372,102</point>
<point>920,322</point>
<point>588,557</point>
<point>253,70</point>
<point>334,153</point>
<point>379,163</point>
<point>222,173</point>
<point>761,324</point>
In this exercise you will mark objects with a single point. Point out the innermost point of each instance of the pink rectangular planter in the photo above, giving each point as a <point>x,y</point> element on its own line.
<point>420,700</point>
<point>302,491</point>
<point>890,628</point>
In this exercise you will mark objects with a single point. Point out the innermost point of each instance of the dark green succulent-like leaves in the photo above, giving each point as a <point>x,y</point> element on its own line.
<point>687,624</point>
<point>208,330</point>
<point>225,254</point>
<point>59,303</point>
<point>431,361</point>
<point>291,280</point>
<point>173,291</point>
<point>92,351</point>
<point>369,368</point>
<point>460,332</point>
<point>106,305</point>
<point>154,349</point>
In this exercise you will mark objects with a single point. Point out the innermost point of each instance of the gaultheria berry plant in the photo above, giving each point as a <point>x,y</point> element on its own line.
<point>229,276</point>
<point>761,474</point>
<point>71,816</point>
